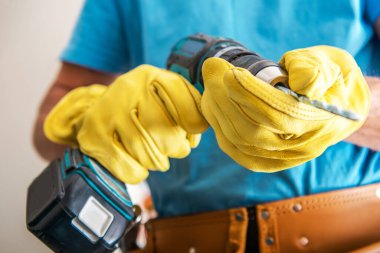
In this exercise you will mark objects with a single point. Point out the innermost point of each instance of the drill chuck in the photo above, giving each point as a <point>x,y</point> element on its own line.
<point>188,55</point>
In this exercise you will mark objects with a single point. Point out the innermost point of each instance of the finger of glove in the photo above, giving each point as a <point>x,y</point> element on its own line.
<point>140,144</point>
<point>260,164</point>
<point>311,72</point>
<point>194,139</point>
<point>274,144</point>
<point>181,100</point>
<point>235,124</point>
<point>216,90</point>
<point>258,97</point>
<point>173,141</point>
<point>213,71</point>
<point>251,137</point>
<point>275,122</point>
<point>340,57</point>
<point>256,161</point>
<point>170,138</point>
<point>247,110</point>
<point>349,90</point>
<point>64,120</point>
<point>113,156</point>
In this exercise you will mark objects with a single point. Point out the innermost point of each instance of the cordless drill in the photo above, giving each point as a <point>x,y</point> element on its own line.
<point>76,205</point>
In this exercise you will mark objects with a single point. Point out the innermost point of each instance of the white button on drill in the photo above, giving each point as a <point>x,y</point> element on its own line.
<point>96,217</point>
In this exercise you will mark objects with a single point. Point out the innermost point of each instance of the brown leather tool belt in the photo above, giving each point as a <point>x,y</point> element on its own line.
<point>337,221</point>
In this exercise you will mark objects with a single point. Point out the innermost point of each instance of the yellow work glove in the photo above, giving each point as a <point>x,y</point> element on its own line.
<point>264,129</point>
<point>135,124</point>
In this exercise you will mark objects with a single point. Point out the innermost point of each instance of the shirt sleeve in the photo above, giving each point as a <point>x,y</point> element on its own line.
<point>373,10</point>
<point>98,40</point>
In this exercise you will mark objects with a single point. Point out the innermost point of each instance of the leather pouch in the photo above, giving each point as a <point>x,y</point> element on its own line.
<point>337,221</point>
<point>219,231</point>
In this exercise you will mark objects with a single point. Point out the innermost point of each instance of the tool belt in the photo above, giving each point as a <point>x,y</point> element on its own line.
<point>337,221</point>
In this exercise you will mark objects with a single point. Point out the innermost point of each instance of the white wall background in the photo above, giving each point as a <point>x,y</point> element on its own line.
<point>32,34</point>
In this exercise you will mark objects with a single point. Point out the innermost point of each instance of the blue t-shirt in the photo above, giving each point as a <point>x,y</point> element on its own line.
<point>117,35</point>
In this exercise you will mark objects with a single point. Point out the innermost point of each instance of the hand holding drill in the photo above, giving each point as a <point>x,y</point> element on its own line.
<point>149,114</point>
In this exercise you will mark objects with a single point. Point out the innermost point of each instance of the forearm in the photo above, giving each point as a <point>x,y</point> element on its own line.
<point>377,27</point>
<point>369,134</point>
<point>47,149</point>
<point>70,76</point>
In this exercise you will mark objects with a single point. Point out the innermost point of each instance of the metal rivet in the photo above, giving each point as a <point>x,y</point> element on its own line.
<point>297,207</point>
<point>378,193</point>
<point>269,240</point>
<point>265,214</point>
<point>303,241</point>
<point>239,217</point>
<point>192,250</point>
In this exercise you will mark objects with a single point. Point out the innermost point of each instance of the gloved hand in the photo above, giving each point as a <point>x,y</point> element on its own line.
<point>264,129</point>
<point>135,124</point>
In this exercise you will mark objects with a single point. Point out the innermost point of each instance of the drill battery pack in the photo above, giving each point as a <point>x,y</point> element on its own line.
<point>75,205</point>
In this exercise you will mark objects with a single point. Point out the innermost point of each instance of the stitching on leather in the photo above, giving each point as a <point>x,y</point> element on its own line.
<point>237,230</point>
<point>262,228</point>
<point>336,203</point>
<point>153,89</point>
<point>326,201</point>
<point>230,123</point>
<point>280,104</point>
<point>193,223</point>
<point>275,233</point>
<point>268,228</point>
<point>305,208</point>
<point>217,218</point>
<point>264,232</point>
<point>252,121</point>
